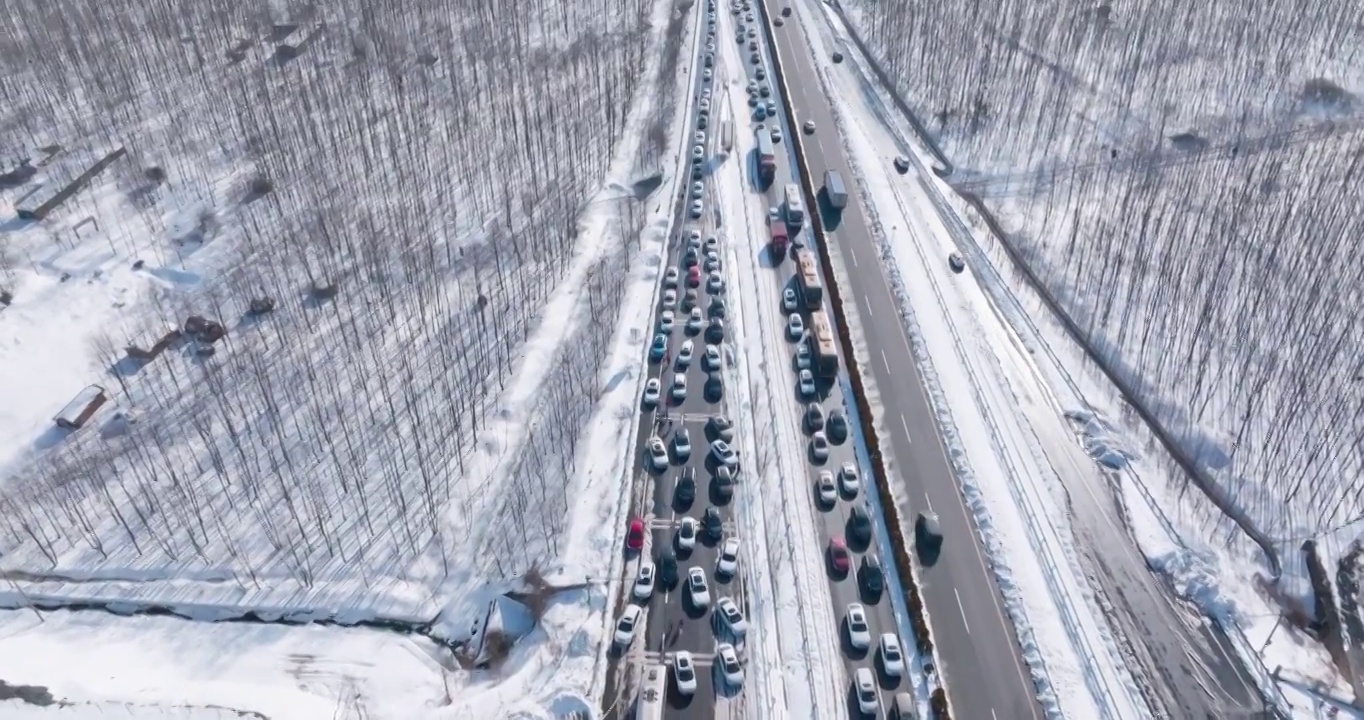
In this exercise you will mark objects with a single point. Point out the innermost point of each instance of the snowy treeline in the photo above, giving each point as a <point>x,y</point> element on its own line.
<point>403,181</point>
<point>1185,176</point>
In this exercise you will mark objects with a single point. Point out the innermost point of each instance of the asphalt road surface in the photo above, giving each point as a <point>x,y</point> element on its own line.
<point>1190,668</point>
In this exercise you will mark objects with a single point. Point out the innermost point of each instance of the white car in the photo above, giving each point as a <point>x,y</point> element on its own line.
<point>625,627</point>
<point>698,153</point>
<point>729,612</point>
<point>686,534</point>
<point>699,137</point>
<point>825,488</point>
<point>698,189</point>
<point>795,326</point>
<point>712,360</point>
<point>803,355</point>
<point>697,587</point>
<point>728,563</point>
<point>809,127</point>
<point>865,687</point>
<point>684,673</point>
<point>859,632</point>
<point>730,668</point>
<point>706,74</point>
<point>644,581</point>
<point>819,446</point>
<point>670,277</point>
<point>712,261</point>
<point>651,392</point>
<point>715,283</point>
<point>670,298</point>
<point>712,243</point>
<point>773,213</point>
<point>697,209</point>
<point>807,383</point>
<point>848,478</point>
<point>679,386</point>
<point>723,453</point>
<point>695,321</point>
<point>658,453</point>
<point>684,354</point>
<point>693,237</point>
<point>776,135</point>
<point>892,656</point>
<point>666,320</point>
<point>704,104</point>
<point>790,301</point>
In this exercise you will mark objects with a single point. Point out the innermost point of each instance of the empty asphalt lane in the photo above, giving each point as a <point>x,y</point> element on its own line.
<point>976,642</point>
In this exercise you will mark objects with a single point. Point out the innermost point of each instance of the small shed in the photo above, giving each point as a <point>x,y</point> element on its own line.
<point>81,407</point>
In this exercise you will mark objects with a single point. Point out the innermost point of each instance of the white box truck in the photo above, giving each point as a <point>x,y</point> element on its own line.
<point>833,188</point>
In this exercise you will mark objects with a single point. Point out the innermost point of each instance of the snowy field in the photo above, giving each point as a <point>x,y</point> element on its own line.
<point>1220,572</point>
<point>1182,178</point>
<point>409,233</point>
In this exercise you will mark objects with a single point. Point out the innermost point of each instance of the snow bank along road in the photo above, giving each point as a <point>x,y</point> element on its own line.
<point>975,641</point>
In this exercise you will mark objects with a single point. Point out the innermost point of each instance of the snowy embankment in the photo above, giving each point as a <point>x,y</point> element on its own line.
<point>797,654</point>
<point>1008,481</point>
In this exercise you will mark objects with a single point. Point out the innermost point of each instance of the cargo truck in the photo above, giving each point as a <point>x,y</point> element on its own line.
<point>780,238</point>
<point>767,158</point>
<point>834,190</point>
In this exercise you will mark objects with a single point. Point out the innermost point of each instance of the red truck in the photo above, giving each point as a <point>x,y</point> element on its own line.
<point>780,239</point>
<point>767,157</point>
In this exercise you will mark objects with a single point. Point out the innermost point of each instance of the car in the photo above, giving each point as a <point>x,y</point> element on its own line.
<point>751,33</point>
<point>693,238</point>
<point>760,112</point>
<point>755,58</point>
<point>704,103</point>
<point>715,283</point>
<point>729,612</point>
<point>679,386</point>
<point>786,11</point>
<point>698,138</point>
<point>712,243</point>
<point>710,59</point>
<point>712,523</point>
<point>697,171</point>
<point>723,482</point>
<point>838,427</point>
<point>698,208</point>
<point>772,108</point>
<point>825,489</point>
<point>859,526</point>
<point>803,359</point>
<point>685,492</point>
<point>717,307</point>
<point>774,214</point>
<point>837,57</point>
<point>698,590</point>
<point>753,103</point>
<point>659,347</point>
<point>670,277</point>
<point>901,164</point>
<point>651,392</point>
<point>760,74</point>
<point>715,331</point>
<point>644,580</point>
<point>689,299</point>
<point>805,380</point>
<point>634,535</point>
<point>752,86</point>
<point>695,321</point>
<point>795,326</point>
<point>723,453</point>
<point>684,673</point>
<point>715,387</point>
<point>753,45</point>
<point>686,534</point>
<point>859,632</point>
<point>720,428</point>
<point>928,530</point>
<point>955,262</point>
<point>658,453</point>
<point>712,263</point>
<point>698,189</point>
<point>849,479</point>
<point>777,21</point>
<point>765,90</point>
<point>864,685</point>
<point>814,417</point>
<point>669,298</point>
<point>728,563</point>
<point>667,570</point>
<point>840,560</point>
<point>819,446</point>
<point>728,661</point>
<point>748,17</point>
<point>666,320</point>
<point>682,443</point>
<point>808,127</point>
<point>776,135</point>
<point>685,353</point>
<point>892,655</point>
<point>625,626</point>
<point>693,276</point>
<point>871,576</point>
<point>712,359</point>
<point>698,153</point>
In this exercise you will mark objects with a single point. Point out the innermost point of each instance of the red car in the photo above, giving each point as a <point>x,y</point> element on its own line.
<point>634,538</point>
<point>839,558</point>
<point>694,276</point>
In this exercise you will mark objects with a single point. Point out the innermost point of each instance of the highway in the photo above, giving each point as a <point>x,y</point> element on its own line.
<point>976,642</point>
<point>1189,666</point>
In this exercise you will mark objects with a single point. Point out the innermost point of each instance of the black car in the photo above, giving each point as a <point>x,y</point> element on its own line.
<point>712,523</point>
<point>871,576</point>
<point>717,307</point>
<point>901,164</point>
<point>724,484</point>
<point>838,57</point>
<point>955,262</point>
<point>859,526</point>
<point>786,11</point>
<point>837,427</point>
<point>667,570</point>
<point>715,331</point>
<point>715,387</point>
<point>685,493</point>
<point>814,417</point>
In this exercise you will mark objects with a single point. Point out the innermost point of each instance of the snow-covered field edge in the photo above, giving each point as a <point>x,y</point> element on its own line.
<point>1200,572</point>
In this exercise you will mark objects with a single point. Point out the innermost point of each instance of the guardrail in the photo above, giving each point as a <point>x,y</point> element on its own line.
<point>904,561</point>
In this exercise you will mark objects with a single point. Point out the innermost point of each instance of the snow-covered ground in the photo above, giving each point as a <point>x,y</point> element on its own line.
<point>995,349</point>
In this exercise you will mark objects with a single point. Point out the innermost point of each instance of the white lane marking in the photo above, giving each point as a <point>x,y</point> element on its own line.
<point>869,310</point>
<point>884,361</point>
<point>928,503</point>
<point>905,425</point>
<point>962,608</point>
<point>853,256</point>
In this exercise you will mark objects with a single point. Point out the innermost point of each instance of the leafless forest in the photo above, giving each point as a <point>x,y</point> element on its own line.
<point>403,182</point>
<point>1184,177</point>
